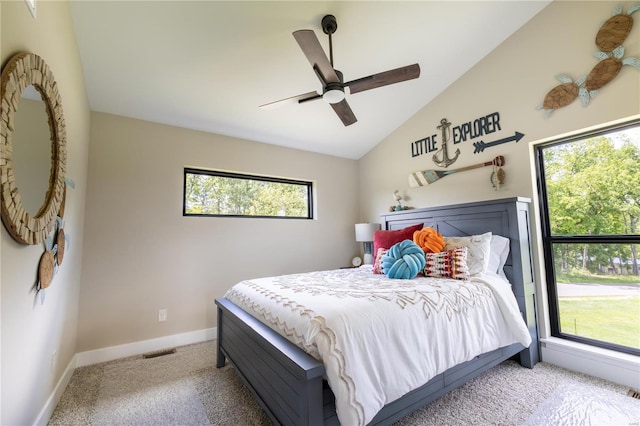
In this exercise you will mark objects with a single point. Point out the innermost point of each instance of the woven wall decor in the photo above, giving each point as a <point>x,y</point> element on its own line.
<point>22,70</point>
<point>46,269</point>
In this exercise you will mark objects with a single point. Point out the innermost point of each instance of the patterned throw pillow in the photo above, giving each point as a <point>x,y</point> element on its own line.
<point>447,264</point>
<point>478,247</point>
<point>377,263</point>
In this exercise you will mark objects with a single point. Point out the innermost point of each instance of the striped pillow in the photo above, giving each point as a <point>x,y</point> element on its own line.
<point>447,264</point>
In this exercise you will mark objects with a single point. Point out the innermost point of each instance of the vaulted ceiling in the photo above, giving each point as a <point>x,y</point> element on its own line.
<point>208,65</point>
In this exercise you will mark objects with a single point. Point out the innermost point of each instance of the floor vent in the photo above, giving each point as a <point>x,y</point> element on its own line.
<point>633,394</point>
<point>159,353</point>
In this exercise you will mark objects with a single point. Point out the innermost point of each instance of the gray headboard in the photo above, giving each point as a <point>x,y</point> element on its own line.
<point>508,217</point>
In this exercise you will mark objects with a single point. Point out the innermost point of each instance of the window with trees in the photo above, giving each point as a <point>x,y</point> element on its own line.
<point>589,188</point>
<point>220,193</point>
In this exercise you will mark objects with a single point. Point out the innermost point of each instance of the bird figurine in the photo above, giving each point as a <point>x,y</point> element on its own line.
<point>398,198</point>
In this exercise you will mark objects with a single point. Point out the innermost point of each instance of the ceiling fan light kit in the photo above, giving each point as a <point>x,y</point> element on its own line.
<point>333,96</point>
<point>332,81</point>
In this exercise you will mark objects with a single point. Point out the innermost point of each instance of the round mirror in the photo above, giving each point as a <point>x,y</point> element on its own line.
<point>29,206</point>
<point>32,151</point>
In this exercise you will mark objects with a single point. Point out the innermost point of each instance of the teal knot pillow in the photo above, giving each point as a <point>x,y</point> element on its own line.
<point>403,260</point>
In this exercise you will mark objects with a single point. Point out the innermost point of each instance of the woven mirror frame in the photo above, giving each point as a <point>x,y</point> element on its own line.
<point>22,70</point>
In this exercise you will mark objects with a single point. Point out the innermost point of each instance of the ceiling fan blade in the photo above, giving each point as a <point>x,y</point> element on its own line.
<point>315,54</point>
<point>310,96</point>
<point>384,78</point>
<point>343,110</point>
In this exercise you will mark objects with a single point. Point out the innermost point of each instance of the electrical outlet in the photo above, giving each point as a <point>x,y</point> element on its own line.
<point>162,315</point>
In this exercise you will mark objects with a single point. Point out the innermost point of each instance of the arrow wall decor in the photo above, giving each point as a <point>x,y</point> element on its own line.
<point>480,145</point>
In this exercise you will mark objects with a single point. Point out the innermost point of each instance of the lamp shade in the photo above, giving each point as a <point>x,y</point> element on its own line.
<point>364,231</point>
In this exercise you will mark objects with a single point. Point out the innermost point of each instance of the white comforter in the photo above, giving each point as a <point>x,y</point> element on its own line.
<point>379,338</point>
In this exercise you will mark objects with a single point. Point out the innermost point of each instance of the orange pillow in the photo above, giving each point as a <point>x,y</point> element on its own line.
<point>429,240</point>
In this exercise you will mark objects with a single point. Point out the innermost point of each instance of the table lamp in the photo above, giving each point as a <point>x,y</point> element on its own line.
<point>364,234</point>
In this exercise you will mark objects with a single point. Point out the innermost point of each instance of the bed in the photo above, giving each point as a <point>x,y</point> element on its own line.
<point>292,386</point>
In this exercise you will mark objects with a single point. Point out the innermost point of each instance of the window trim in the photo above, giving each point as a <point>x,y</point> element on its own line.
<point>235,175</point>
<point>548,239</point>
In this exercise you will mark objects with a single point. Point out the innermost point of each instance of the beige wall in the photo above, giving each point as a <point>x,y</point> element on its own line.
<point>512,81</point>
<point>141,254</point>
<point>32,332</point>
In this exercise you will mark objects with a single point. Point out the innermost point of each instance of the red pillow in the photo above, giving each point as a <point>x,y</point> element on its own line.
<point>385,239</point>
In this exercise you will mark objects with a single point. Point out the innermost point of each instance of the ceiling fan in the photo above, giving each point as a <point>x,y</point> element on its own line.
<point>332,80</point>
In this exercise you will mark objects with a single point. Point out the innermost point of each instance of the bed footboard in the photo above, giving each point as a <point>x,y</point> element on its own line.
<point>286,381</point>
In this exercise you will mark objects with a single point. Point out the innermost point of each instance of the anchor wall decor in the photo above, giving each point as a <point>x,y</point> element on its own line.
<point>445,161</point>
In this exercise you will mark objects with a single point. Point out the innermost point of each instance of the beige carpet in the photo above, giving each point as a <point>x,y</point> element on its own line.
<point>185,388</point>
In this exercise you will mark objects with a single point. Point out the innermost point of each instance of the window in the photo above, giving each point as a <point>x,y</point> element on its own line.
<point>218,193</point>
<point>589,189</point>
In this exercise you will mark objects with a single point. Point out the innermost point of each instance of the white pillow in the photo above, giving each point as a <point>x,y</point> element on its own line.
<point>478,250</point>
<point>498,256</point>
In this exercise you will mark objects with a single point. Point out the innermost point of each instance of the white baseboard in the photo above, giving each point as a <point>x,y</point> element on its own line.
<point>54,398</point>
<point>137,348</point>
<point>616,367</point>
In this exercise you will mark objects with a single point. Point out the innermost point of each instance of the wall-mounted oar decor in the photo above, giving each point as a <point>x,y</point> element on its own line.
<point>426,177</point>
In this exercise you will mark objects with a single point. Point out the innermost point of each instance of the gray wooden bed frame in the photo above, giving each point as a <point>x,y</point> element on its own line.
<point>288,383</point>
